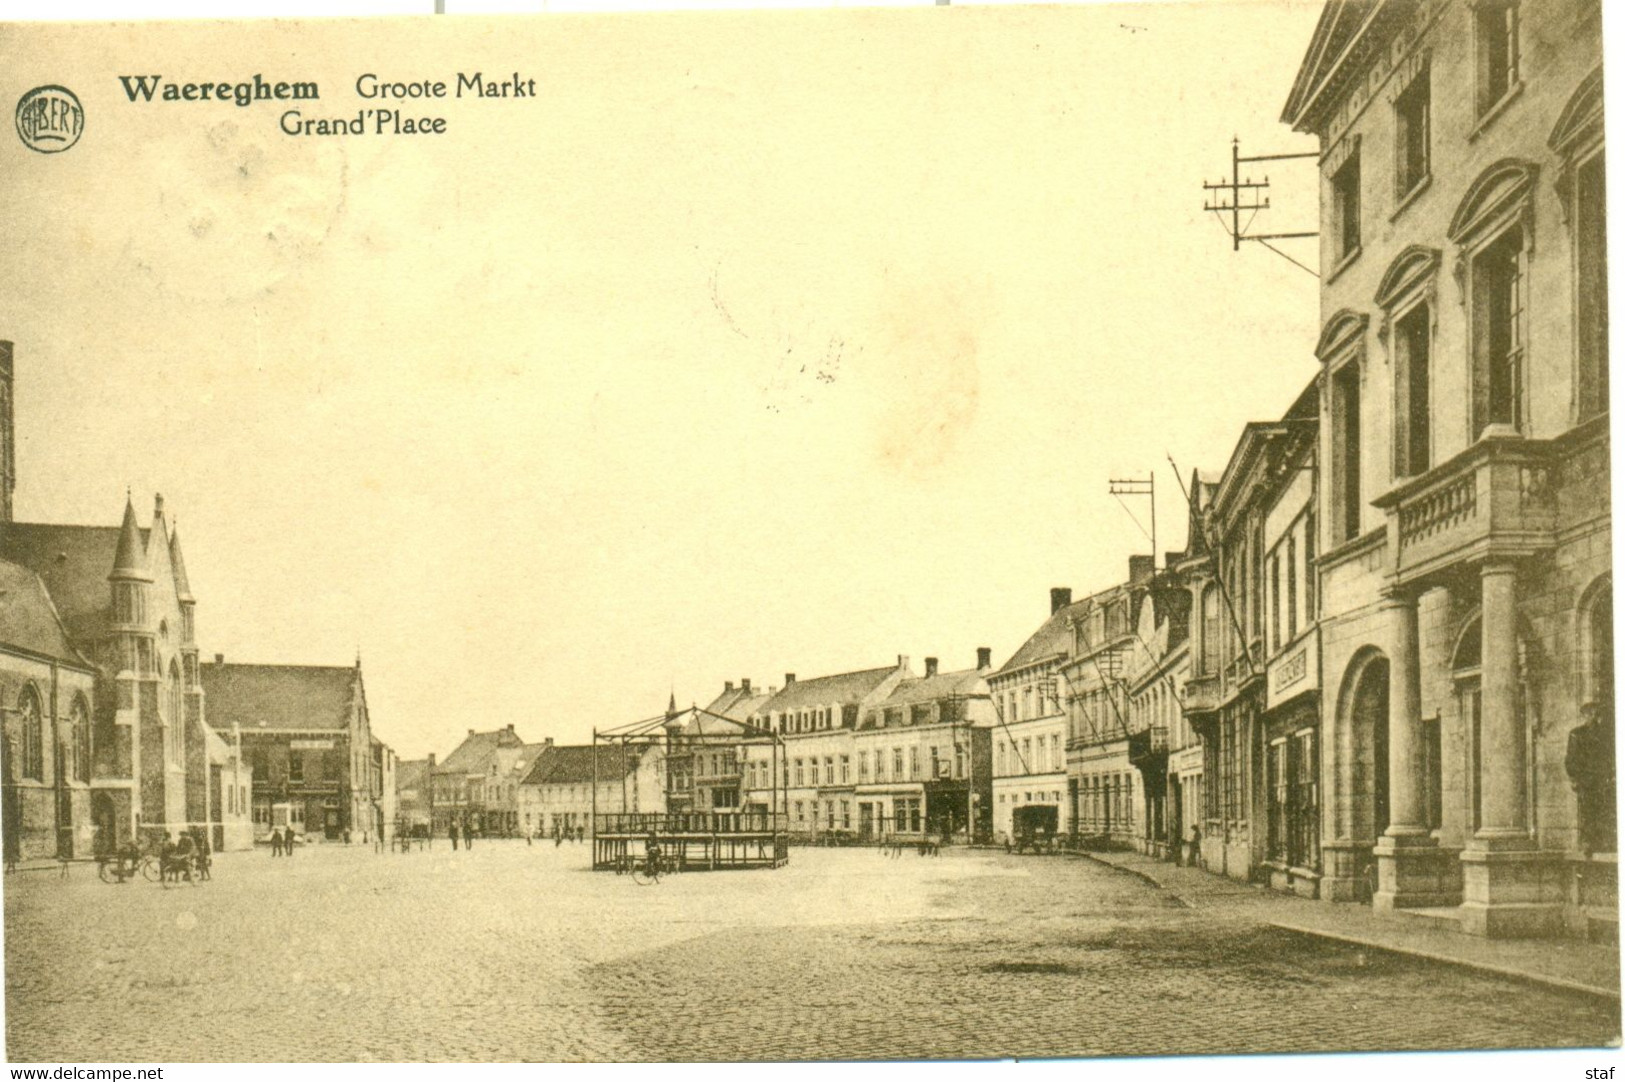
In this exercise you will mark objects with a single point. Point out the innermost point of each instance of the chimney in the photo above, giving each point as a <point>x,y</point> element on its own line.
<point>789,678</point>
<point>1141,568</point>
<point>1059,598</point>
<point>220,659</point>
<point>157,505</point>
<point>930,666</point>
<point>902,661</point>
<point>984,657</point>
<point>547,741</point>
<point>727,686</point>
<point>471,732</point>
<point>744,685</point>
<point>510,726</point>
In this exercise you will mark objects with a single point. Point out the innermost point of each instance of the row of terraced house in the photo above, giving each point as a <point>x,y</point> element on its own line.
<point>494,784</point>
<point>1380,672</point>
<point>112,729</point>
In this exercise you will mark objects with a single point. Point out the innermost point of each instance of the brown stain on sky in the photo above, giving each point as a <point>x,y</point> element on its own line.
<point>927,351</point>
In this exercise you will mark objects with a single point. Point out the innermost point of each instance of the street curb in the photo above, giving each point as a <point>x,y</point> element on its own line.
<point>1144,877</point>
<point>1522,976</point>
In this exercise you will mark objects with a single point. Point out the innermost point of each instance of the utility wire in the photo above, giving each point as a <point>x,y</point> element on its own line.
<point>1218,578</point>
<point>1311,271</point>
<point>1128,511</point>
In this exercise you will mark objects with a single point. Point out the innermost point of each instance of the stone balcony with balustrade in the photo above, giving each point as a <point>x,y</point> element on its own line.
<point>1502,498</point>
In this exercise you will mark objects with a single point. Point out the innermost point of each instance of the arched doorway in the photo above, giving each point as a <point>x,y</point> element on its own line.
<point>1366,711</point>
<point>1589,761</point>
<point>104,816</point>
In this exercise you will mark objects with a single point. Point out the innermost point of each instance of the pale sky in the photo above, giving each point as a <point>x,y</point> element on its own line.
<point>756,343</point>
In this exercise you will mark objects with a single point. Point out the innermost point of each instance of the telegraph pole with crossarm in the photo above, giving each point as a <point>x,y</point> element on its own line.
<point>1229,195</point>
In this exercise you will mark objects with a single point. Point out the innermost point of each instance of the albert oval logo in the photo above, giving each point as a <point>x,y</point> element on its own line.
<point>49,119</point>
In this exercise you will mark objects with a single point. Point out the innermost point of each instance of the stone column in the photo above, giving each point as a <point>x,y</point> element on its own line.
<point>1504,802</point>
<point>1412,872</point>
<point>1406,783</point>
<point>1509,885</point>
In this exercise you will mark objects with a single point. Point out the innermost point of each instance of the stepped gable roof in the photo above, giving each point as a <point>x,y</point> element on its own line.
<point>851,687</point>
<point>473,755</point>
<point>74,563</point>
<point>573,764</point>
<point>278,697</point>
<point>29,621</point>
<point>928,689</point>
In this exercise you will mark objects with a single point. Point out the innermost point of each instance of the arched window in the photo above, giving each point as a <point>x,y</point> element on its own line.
<point>1578,140</point>
<point>33,735</point>
<point>176,731</point>
<point>1494,231</point>
<point>1210,629</point>
<point>80,719</point>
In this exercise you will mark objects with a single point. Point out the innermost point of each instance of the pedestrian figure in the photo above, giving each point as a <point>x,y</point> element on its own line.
<point>558,839</point>
<point>168,859</point>
<point>276,842</point>
<point>452,831</point>
<point>1589,763</point>
<point>581,833</point>
<point>1196,847</point>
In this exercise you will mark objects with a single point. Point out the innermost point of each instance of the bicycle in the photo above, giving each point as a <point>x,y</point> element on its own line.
<point>114,869</point>
<point>650,869</point>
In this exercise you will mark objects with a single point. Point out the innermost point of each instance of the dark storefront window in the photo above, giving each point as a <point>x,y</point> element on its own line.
<point>1294,795</point>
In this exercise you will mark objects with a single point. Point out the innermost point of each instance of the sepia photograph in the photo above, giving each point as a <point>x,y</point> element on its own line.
<point>923,533</point>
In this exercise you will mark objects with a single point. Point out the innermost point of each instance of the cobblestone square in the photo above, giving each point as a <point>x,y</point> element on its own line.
<point>516,952</point>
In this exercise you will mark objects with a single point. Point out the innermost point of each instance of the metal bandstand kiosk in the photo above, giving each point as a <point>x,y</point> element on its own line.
<point>721,835</point>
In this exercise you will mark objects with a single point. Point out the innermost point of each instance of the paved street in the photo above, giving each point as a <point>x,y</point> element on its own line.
<point>513,952</point>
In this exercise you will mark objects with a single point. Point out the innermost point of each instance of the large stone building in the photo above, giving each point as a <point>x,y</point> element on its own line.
<point>306,734</point>
<point>1110,791</point>
<point>1157,669</point>
<point>814,720</point>
<point>47,688</point>
<point>705,769</point>
<point>929,746</point>
<point>876,753</point>
<point>1030,737</point>
<point>152,765</point>
<point>1464,534</point>
<point>1246,568</point>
